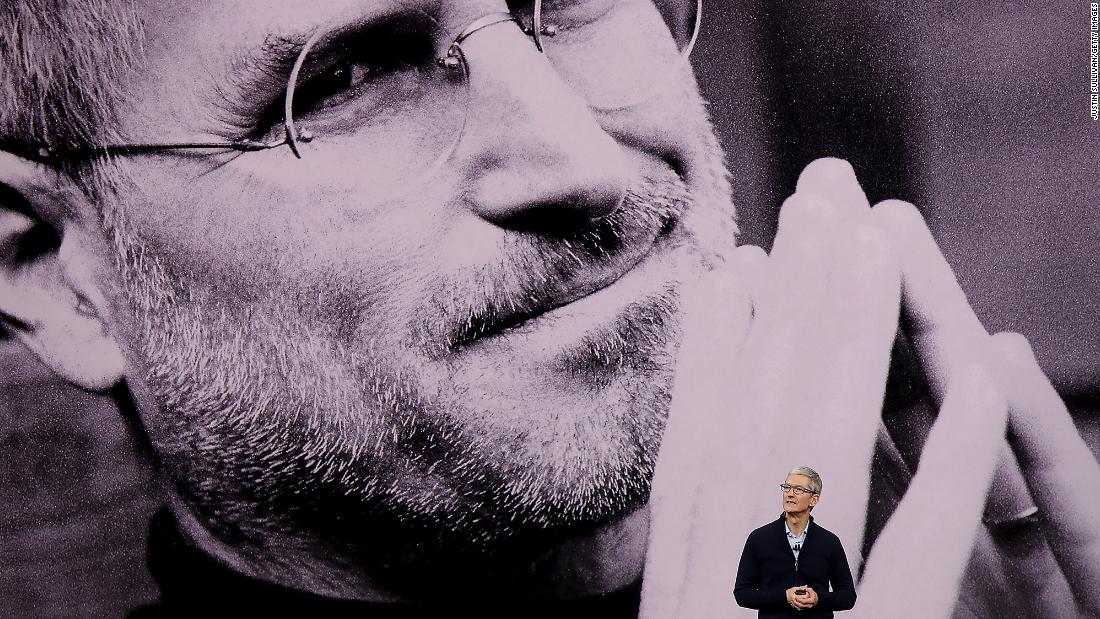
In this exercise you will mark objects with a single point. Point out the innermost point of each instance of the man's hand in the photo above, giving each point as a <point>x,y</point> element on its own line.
<point>805,383</point>
<point>808,599</point>
<point>1053,457</point>
<point>801,601</point>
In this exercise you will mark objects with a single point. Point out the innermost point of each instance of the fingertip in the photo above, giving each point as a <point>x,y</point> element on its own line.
<point>823,172</point>
<point>897,217</point>
<point>828,164</point>
<point>716,305</point>
<point>934,301</point>
<point>1013,347</point>
<point>750,255</point>
<point>897,205</point>
<point>835,179</point>
<point>749,262</point>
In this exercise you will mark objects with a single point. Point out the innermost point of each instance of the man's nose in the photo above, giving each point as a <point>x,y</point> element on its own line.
<point>533,152</point>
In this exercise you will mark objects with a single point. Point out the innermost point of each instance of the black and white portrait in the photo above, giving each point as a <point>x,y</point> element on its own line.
<point>431,308</point>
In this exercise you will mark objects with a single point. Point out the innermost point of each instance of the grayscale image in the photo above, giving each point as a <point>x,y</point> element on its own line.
<point>650,309</point>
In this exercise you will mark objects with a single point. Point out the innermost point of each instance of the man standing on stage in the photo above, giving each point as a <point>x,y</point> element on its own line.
<point>786,570</point>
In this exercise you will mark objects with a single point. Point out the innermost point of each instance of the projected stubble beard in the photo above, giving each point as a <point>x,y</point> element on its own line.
<point>421,430</point>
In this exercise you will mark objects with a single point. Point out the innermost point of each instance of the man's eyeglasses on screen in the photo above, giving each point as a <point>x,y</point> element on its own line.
<point>359,82</point>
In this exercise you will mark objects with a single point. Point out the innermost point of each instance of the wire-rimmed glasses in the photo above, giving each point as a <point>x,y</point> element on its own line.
<point>798,490</point>
<point>394,95</point>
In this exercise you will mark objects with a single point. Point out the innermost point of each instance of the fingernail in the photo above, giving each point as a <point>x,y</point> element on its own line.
<point>836,180</point>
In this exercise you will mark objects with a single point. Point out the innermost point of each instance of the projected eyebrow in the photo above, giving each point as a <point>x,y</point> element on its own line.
<point>255,79</point>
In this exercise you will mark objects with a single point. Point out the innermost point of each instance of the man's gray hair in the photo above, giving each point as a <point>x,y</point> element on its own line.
<point>61,64</point>
<point>805,471</point>
<point>62,68</point>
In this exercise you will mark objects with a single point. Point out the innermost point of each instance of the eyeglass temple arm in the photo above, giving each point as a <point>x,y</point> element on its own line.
<point>48,153</point>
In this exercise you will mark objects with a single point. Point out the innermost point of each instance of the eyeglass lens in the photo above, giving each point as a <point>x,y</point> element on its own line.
<point>617,53</point>
<point>380,100</point>
<point>387,84</point>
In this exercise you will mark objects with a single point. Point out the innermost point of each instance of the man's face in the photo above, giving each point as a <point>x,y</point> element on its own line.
<point>795,502</point>
<point>403,375</point>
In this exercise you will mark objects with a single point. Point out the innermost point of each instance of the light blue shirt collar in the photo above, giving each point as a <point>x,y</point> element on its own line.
<point>791,539</point>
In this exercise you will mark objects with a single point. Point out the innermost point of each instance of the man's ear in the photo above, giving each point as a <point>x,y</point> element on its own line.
<point>49,257</point>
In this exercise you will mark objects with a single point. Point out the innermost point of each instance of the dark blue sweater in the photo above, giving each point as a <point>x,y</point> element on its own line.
<point>767,570</point>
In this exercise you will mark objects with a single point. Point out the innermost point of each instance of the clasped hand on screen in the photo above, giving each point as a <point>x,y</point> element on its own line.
<point>784,362</point>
